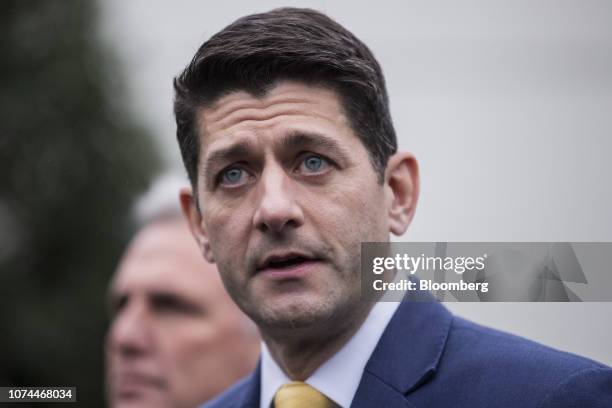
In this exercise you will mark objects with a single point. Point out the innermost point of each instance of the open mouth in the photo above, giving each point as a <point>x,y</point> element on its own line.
<point>286,263</point>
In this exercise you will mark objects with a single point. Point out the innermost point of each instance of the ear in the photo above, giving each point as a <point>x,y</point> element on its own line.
<point>192,214</point>
<point>402,190</point>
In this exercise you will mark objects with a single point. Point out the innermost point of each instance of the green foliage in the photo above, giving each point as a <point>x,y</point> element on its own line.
<point>71,162</point>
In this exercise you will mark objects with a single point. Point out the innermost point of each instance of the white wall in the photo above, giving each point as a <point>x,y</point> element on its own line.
<point>507,105</point>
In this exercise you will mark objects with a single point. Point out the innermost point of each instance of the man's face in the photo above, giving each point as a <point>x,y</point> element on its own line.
<point>176,338</point>
<point>287,194</point>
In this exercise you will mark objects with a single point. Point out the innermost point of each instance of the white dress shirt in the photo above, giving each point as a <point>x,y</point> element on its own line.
<point>339,377</point>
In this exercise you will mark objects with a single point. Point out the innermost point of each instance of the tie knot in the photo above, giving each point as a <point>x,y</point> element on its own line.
<point>298,394</point>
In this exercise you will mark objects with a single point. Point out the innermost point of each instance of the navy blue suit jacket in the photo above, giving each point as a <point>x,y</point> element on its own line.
<point>429,358</point>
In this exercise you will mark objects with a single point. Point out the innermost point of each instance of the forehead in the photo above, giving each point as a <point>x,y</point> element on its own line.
<point>288,106</point>
<point>165,257</point>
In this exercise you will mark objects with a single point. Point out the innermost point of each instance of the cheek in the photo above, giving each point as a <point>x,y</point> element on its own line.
<point>370,203</point>
<point>228,229</point>
<point>184,348</point>
<point>350,213</point>
<point>200,354</point>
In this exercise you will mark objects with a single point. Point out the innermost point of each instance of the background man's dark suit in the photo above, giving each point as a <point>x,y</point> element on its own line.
<point>429,358</point>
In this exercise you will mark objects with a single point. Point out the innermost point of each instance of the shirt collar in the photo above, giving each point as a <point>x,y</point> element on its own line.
<point>350,360</point>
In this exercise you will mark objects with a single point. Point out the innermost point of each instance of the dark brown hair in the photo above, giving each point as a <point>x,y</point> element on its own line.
<point>256,51</point>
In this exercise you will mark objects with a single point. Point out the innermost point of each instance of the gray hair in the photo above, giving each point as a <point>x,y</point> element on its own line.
<point>161,201</point>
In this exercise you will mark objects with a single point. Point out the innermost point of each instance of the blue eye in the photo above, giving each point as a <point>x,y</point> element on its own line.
<point>314,164</point>
<point>232,175</point>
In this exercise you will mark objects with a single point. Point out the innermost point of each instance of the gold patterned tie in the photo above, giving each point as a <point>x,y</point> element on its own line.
<point>301,395</point>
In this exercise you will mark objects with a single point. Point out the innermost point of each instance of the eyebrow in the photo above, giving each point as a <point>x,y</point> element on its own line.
<point>114,301</point>
<point>117,300</point>
<point>232,153</point>
<point>302,140</point>
<point>175,301</point>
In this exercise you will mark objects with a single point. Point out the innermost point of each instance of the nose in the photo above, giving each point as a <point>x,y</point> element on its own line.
<point>277,209</point>
<point>130,334</point>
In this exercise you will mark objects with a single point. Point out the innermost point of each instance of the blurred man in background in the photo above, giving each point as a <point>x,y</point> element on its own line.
<point>176,338</point>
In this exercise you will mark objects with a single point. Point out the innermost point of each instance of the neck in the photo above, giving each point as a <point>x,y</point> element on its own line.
<point>300,352</point>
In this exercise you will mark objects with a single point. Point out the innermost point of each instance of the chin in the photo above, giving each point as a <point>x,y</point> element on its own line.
<point>295,311</point>
<point>138,403</point>
<point>139,398</point>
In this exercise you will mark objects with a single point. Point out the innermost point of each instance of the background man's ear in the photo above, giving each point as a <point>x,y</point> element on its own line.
<point>194,220</point>
<point>402,190</point>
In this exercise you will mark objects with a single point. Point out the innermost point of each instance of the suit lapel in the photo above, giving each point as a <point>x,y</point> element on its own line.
<point>250,397</point>
<point>406,356</point>
<point>374,392</point>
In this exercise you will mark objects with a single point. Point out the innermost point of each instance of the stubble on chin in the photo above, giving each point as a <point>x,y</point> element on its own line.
<point>311,311</point>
